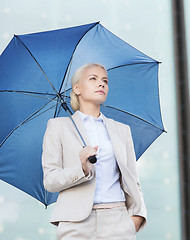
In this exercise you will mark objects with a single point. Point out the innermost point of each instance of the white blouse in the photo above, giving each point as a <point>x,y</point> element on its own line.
<point>108,187</point>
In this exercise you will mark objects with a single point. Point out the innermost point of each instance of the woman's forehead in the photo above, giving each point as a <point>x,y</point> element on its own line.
<point>94,70</point>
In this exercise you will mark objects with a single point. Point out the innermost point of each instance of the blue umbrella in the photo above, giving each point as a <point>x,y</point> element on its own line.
<point>35,72</point>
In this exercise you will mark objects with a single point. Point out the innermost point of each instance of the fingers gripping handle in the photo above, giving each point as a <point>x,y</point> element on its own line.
<point>92,159</point>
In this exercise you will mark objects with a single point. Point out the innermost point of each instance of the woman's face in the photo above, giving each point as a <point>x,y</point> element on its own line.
<point>92,86</point>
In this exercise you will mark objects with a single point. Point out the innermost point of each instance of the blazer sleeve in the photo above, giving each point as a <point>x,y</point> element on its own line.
<point>133,169</point>
<point>56,178</point>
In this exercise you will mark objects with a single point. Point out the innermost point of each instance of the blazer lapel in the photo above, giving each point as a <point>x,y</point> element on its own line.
<point>121,157</point>
<point>118,147</point>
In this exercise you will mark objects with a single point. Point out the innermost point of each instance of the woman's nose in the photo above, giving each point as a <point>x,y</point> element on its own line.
<point>101,84</point>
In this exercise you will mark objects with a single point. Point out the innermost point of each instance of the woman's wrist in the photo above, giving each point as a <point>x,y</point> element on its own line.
<point>138,220</point>
<point>85,172</point>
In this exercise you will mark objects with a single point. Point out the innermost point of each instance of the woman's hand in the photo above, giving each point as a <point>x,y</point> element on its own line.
<point>137,222</point>
<point>84,154</point>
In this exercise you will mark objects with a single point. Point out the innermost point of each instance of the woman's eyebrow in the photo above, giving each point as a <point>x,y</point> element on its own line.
<point>93,75</point>
<point>97,76</point>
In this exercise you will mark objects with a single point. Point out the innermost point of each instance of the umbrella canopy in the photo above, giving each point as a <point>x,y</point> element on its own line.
<point>35,73</point>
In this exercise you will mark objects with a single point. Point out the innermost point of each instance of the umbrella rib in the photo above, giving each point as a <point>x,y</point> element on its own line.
<point>37,64</point>
<point>58,110</point>
<point>65,91</point>
<point>69,67</point>
<point>23,122</point>
<point>55,109</point>
<point>60,106</point>
<point>58,94</point>
<point>19,91</point>
<point>40,114</point>
<point>73,54</point>
<point>132,64</point>
<point>29,93</point>
<point>133,116</point>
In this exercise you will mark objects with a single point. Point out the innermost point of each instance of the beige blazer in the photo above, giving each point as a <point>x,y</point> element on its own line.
<point>63,171</point>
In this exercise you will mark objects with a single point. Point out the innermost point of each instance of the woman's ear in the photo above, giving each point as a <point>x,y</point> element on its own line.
<point>76,89</point>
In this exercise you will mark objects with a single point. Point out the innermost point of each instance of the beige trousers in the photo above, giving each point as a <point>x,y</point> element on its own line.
<point>102,224</point>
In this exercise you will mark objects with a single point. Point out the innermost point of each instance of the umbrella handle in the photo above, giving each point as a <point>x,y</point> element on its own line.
<point>92,159</point>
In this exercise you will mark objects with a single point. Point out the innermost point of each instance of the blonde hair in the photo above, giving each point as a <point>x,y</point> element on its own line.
<point>76,77</point>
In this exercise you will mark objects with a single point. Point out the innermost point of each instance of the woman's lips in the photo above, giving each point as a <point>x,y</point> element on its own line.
<point>100,91</point>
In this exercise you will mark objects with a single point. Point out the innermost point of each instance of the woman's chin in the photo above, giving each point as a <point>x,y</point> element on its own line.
<point>96,102</point>
<point>100,100</point>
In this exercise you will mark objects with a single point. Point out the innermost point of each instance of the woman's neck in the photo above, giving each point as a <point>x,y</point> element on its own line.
<point>91,110</point>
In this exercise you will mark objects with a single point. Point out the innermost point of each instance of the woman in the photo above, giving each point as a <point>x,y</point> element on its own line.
<point>96,201</point>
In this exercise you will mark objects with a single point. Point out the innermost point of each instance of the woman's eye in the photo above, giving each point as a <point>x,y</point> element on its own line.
<point>92,78</point>
<point>106,81</point>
